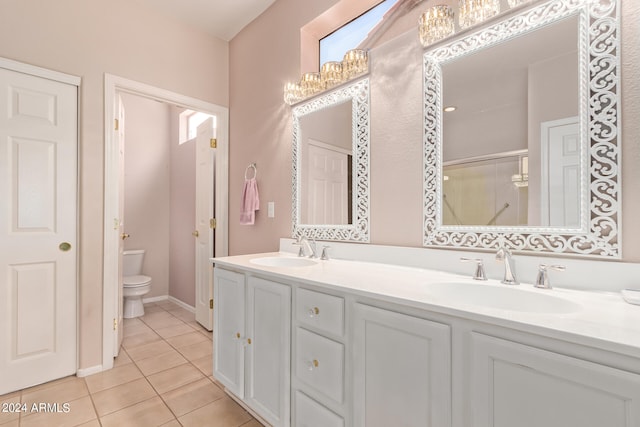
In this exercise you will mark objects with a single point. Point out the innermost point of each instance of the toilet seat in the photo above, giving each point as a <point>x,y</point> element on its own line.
<point>135,281</point>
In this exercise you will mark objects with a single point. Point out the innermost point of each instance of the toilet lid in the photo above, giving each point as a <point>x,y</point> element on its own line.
<point>137,280</point>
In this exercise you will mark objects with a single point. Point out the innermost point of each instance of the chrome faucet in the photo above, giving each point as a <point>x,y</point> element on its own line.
<point>479,273</point>
<point>542,280</point>
<point>503,255</point>
<point>306,246</point>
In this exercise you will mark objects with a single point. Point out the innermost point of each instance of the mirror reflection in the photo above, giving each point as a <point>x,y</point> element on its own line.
<point>511,151</point>
<point>331,165</point>
<point>326,158</point>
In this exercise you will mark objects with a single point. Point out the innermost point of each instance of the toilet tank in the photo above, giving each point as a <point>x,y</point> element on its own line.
<point>132,262</point>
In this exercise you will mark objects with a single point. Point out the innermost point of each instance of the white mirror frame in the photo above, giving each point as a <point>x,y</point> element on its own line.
<point>358,230</point>
<point>599,234</point>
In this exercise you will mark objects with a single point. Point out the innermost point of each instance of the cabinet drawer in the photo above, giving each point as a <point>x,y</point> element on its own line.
<point>310,413</point>
<point>322,311</point>
<point>320,363</point>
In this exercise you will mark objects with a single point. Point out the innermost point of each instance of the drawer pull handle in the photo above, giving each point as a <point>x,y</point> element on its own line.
<point>313,364</point>
<point>313,312</point>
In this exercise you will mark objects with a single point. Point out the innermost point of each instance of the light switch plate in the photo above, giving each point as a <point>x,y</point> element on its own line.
<point>271,209</point>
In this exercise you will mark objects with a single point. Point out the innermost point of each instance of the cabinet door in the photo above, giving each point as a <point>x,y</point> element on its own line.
<point>518,385</point>
<point>228,330</point>
<point>402,372</point>
<point>269,350</point>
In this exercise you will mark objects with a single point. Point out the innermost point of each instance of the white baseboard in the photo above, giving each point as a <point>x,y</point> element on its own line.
<point>182,304</point>
<point>172,299</point>
<point>155,299</point>
<point>89,371</point>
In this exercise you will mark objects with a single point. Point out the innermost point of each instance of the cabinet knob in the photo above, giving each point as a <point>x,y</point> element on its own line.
<point>313,364</point>
<point>124,236</point>
<point>238,335</point>
<point>249,341</point>
<point>314,311</point>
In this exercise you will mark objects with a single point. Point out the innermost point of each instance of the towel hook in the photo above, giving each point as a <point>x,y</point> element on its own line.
<point>255,171</point>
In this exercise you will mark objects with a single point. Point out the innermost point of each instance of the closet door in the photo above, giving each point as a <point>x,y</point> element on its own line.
<point>38,221</point>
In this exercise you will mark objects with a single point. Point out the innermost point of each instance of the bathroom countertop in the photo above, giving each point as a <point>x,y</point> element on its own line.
<point>603,320</point>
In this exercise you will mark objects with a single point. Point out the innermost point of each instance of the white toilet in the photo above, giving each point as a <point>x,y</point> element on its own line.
<point>135,285</point>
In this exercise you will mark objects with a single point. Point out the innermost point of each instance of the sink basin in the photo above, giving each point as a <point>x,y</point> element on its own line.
<point>276,261</point>
<point>502,297</point>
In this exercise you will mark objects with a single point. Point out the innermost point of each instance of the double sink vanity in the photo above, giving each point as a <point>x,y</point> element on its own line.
<point>310,342</point>
<point>371,337</point>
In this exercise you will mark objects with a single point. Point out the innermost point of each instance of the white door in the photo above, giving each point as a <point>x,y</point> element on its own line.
<point>560,157</point>
<point>38,220</point>
<point>204,232</point>
<point>402,370</point>
<point>327,185</point>
<point>517,385</point>
<point>119,326</point>
<point>229,332</point>
<point>268,350</point>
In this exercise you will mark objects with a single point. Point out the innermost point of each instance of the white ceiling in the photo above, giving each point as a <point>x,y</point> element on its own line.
<point>220,18</point>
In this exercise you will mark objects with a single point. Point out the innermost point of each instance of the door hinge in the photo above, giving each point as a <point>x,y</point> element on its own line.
<point>213,223</point>
<point>116,124</point>
<point>214,143</point>
<point>211,303</point>
<point>115,324</point>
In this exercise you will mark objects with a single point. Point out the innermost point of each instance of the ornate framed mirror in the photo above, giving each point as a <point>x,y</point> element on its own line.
<point>331,165</point>
<point>529,157</point>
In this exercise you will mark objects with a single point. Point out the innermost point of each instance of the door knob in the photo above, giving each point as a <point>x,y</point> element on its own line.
<point>124,236</point>
<point>64,246</point>
<point>195,233</point>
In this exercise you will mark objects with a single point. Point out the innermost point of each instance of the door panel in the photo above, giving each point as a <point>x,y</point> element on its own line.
<point>515,384</point>
<point>38,220</point>
<point>402,370</point>
<point>205,157</point>
<point>229,333</point>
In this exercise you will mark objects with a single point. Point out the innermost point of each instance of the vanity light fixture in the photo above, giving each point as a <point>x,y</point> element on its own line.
<point>472,12</point>
<point>292,93</point>
<point>435,24</point>
<point>450,109</point>
<point>331,74</point>
<point>354,64</point>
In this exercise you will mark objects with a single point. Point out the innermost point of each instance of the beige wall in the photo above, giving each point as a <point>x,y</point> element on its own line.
<point>261,127</point>
<point>88,38</point>
<point>146,186</point>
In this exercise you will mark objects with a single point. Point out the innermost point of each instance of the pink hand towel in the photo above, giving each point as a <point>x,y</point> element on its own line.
<point>250,202</point>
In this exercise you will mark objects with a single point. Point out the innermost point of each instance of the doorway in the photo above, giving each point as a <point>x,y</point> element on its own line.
<point>114,230</point>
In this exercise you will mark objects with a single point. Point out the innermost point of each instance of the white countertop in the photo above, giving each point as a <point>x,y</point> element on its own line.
<point>604,320</point>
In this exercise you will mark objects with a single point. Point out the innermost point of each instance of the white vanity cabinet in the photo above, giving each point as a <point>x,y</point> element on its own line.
<point>252,348</point>
<point>319,359</point>
<point>513,384</point>
<point>402,370</point>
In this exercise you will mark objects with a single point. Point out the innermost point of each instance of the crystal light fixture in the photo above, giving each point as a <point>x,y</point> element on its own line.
<point>331,74</point>
<point>354,63</point>
<point>292,93</point>
<point>435,24</point>
<point>472,12</point>
<point>310,84</point>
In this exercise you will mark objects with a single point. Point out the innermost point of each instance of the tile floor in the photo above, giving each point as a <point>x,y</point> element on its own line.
<point>162,377</point>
